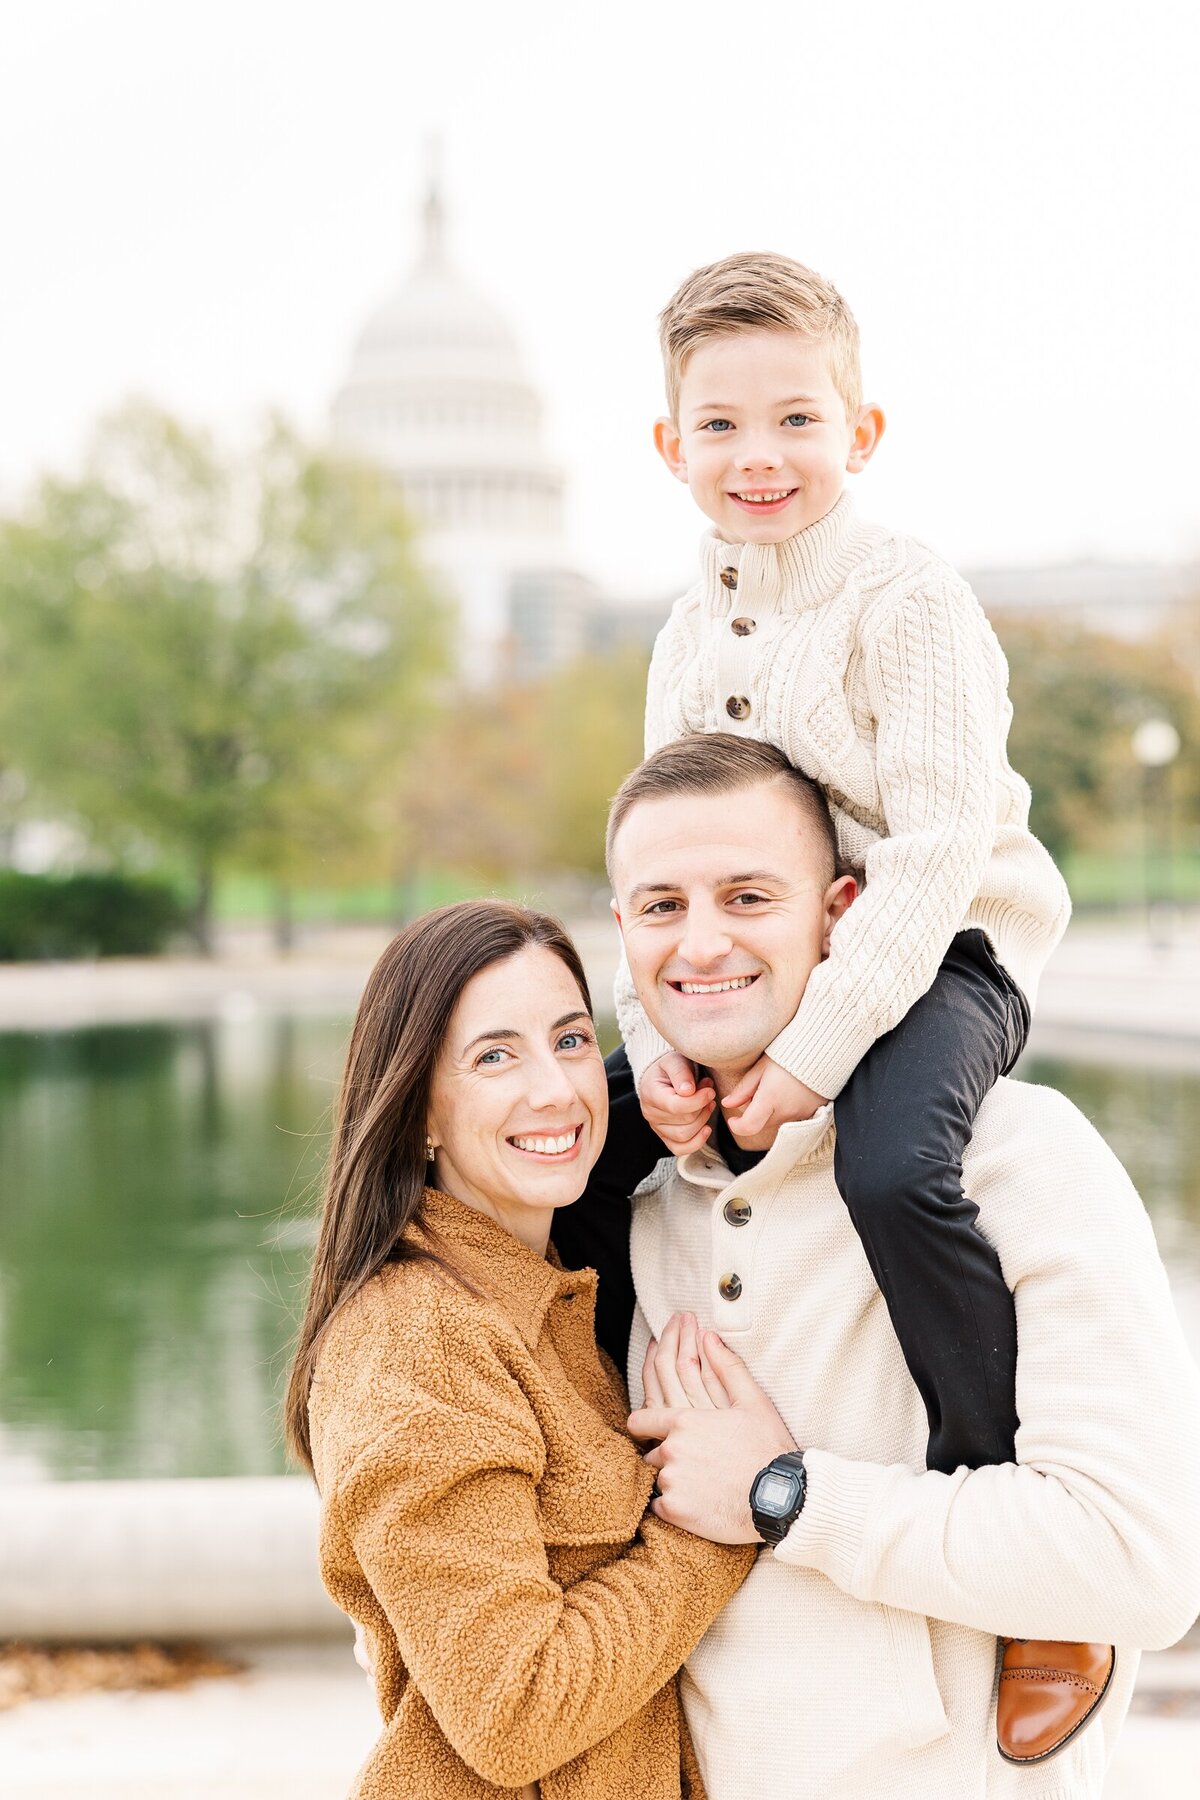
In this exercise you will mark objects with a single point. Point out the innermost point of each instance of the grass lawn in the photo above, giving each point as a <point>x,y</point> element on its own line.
<point>1100,879</point>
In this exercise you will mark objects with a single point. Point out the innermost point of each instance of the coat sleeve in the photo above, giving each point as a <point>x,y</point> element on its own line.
<point>1093,1535</point>
<point>937,682</point>
<point>521,1674</point>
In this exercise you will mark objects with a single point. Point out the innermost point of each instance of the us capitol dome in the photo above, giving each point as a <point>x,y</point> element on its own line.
<point>436,392</point>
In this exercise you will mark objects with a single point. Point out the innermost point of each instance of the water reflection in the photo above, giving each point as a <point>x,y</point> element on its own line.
<point>156,1193</point>
<point>146,1293</point>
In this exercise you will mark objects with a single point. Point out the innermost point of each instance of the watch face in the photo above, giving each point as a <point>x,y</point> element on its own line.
<point>776,1493</point>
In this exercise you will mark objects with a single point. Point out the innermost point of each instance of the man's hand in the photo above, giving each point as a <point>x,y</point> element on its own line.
<point>675,1105</point>
<point>764,1099</point>
<point>709,1454</point>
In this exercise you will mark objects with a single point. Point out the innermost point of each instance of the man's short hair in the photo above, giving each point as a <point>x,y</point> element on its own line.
<point>719,763</point>
<point>758,291</point>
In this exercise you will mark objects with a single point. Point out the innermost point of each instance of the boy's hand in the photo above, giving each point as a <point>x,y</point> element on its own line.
<point>675,1105</point>
<point>766,1098</point>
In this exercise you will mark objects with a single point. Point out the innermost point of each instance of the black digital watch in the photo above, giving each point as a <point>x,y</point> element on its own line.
<point>777,1496</point>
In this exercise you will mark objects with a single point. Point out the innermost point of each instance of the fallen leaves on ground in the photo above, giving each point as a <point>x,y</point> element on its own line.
<point>46,1672</point>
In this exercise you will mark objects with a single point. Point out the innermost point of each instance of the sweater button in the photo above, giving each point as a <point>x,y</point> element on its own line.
<point>742,627</point>
<point>729,1287</point>
<point>729,578</point>
<point>737,706</point>
<point>736,1212</point>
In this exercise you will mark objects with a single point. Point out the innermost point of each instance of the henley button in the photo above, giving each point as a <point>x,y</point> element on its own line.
<point>729,578</point>
<point>737,706</point>
<point>729,1287</point>
<point>736,1212</point>
<point>742,627</point>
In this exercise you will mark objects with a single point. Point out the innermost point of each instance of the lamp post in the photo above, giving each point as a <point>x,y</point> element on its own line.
<point>1155,746</point>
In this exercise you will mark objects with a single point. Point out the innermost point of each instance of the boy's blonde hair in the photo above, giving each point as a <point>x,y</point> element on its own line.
<point>759,291</point>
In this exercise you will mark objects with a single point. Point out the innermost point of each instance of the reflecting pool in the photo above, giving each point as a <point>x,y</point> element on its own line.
<point>157,1188</point>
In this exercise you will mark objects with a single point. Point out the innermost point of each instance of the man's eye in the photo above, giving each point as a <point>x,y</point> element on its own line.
<point>717,425</point>
<point>749,899</point>
<point>663,906</point>
<point>798,419</point>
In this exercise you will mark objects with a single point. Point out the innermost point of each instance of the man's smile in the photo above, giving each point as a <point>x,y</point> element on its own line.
<point>724,985</point>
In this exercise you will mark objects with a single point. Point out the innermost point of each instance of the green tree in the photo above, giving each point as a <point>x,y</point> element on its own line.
<point>220,659</point>
<point>1077,698</point>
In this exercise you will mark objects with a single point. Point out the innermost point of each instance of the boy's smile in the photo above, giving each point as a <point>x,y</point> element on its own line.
<point>763,441</point>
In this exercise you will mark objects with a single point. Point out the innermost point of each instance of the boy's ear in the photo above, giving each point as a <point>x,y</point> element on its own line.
<point>669,445</point>
<point>869,427</point>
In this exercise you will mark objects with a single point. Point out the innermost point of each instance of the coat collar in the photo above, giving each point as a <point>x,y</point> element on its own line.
<point>522,1283</point>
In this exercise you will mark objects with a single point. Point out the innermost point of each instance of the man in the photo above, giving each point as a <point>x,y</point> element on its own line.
<point>859,1660</point>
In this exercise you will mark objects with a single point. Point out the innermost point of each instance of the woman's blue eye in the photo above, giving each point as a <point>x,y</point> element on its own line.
<point>493,1056</point>
<point>573,1040</point>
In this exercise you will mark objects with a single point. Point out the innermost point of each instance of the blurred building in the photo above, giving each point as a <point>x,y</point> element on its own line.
<point>437,392</point>
<point>1129,600</point>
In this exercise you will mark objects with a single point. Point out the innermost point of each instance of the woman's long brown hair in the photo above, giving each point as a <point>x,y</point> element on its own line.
<point>377,1166</point>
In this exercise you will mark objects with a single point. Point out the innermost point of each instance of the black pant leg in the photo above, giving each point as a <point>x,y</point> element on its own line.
<point>903,1121</point>
<point>594,1233</point>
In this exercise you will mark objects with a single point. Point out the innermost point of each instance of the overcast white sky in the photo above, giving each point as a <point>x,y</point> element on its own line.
<point>202,202</point>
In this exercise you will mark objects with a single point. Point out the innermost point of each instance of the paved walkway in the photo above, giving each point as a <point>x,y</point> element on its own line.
<point>298,1723</point>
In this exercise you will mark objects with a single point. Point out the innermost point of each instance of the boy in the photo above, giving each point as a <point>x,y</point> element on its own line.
<point>868,662</point>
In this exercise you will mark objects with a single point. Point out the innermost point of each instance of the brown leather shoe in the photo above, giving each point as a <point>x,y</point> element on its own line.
<point>1048,1692</point>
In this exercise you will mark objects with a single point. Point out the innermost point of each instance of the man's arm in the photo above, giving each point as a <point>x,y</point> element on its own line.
<point>1094,1534</point>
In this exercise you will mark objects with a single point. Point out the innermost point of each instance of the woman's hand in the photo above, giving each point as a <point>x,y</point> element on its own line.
<point>676,1373</point>
<point>708,1452</point>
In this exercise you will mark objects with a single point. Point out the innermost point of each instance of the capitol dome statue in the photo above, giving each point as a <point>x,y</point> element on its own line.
<point>436,393</point>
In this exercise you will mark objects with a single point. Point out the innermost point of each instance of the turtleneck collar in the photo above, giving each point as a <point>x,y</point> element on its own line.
<point>800,572</point>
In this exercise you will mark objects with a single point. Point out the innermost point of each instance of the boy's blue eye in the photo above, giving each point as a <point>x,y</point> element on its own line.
<point>798,419</point>
<point>718,425</point>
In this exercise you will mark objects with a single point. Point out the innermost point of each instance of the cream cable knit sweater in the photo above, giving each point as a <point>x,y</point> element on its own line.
<point>870,664</point>
<point>858,1661</point>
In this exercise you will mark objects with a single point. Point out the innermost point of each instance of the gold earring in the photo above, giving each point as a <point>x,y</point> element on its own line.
<point>429,1148</point>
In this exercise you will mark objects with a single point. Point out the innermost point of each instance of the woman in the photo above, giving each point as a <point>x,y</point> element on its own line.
<point>484,1511</point>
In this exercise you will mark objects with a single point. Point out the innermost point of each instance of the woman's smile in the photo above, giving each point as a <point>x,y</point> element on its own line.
<point>562,1146</point>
